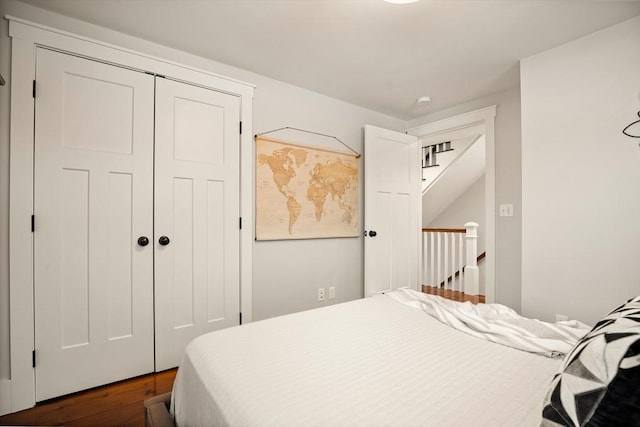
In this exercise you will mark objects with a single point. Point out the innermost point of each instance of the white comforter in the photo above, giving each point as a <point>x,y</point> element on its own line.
<point>498,323</point>
<point>370,362</point>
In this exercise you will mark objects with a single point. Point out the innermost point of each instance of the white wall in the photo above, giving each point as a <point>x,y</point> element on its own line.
<point>469,206</point>
<point>581,175</point>
<point>286,274</point>
<point>468,167</point>
<point>508,190</point>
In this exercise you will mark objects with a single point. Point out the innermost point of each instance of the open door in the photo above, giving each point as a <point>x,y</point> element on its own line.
<point>392,211</point>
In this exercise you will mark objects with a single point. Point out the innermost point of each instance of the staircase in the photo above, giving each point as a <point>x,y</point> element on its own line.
<point>462,156</point>
<point>429,153</point>
<point>458,168</point>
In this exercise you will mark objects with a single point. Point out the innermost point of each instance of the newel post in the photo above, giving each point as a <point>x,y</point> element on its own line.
<point>471,271</point>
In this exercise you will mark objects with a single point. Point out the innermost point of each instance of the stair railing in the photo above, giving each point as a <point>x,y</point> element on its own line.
<point>450,258</point>
<point>429,153</point>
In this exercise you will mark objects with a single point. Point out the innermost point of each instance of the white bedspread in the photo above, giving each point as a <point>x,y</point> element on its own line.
<point>498,323</point>
<point>370,362</point>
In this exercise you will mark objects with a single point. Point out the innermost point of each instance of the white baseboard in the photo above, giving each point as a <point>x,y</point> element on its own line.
<point>5,396</point>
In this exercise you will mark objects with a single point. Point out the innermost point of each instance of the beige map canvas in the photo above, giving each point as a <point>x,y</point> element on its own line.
<point>304,192</point>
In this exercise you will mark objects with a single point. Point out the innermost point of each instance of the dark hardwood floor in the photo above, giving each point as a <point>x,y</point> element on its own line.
<point>118,404</point>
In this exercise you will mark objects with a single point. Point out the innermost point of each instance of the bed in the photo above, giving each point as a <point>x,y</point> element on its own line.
<point>399,359</point>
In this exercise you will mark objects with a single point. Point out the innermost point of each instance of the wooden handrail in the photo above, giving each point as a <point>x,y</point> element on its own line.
<point>444,230</point>
<point>480,258</point>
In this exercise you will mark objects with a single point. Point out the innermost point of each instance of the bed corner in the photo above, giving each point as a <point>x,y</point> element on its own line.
<point>156,411</point>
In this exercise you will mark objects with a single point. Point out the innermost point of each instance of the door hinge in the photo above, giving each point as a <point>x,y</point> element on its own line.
<point>33,89</point>
<point>33,223</point>
<point>240,223</point>
<point>241,318</point>
<point>33,358</point>
<point>241,128</point>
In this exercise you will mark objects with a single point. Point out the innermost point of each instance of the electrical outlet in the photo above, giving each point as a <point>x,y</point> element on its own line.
<point>332,292</point>
<point>320,294</point>
<point>506,210</point>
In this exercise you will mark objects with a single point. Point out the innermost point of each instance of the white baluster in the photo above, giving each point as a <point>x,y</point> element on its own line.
<point>424,257</point>
<point>438,260</point>
<point>472,273</point>
<point>432,261</point>
<point>460,261</point>
<point>453,261</point>
<point>445,257</point>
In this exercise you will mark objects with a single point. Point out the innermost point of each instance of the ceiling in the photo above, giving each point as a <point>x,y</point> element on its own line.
<point>369,53</point>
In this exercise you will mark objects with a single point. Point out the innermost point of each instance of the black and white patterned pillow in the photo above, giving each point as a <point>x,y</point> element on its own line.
<point>599,384</point>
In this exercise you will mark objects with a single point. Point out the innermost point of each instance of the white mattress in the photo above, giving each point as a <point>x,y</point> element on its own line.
<point>370,362</point>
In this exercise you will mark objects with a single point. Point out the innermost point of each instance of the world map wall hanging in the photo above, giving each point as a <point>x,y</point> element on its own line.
<point>304,192</point>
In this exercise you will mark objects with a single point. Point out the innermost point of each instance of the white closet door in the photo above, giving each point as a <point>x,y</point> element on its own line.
<point>392,210</point>
<point>93,199</point>
<point>197,208</point>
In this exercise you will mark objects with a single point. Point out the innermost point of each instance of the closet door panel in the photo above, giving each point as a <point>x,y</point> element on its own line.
<point>215,262</point>
<point>182,253</point>
<point>93,199</point>
<point>197,208</point>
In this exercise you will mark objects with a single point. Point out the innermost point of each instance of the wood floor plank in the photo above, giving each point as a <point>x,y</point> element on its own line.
<point>118,404</point>
<point>128,415</point>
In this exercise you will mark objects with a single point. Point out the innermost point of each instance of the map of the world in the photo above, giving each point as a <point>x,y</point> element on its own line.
<point>304,192</point>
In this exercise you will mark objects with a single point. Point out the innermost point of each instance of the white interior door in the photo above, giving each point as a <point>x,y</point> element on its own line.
<point>93,199</point>
<point>197,211</point>
<point>392,211</point>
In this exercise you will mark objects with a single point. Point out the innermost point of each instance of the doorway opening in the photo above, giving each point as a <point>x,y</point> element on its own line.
<point>470,133</point>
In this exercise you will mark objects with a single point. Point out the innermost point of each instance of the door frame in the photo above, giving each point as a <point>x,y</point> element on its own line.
<point>26,37</point>
<point>486,118</point>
